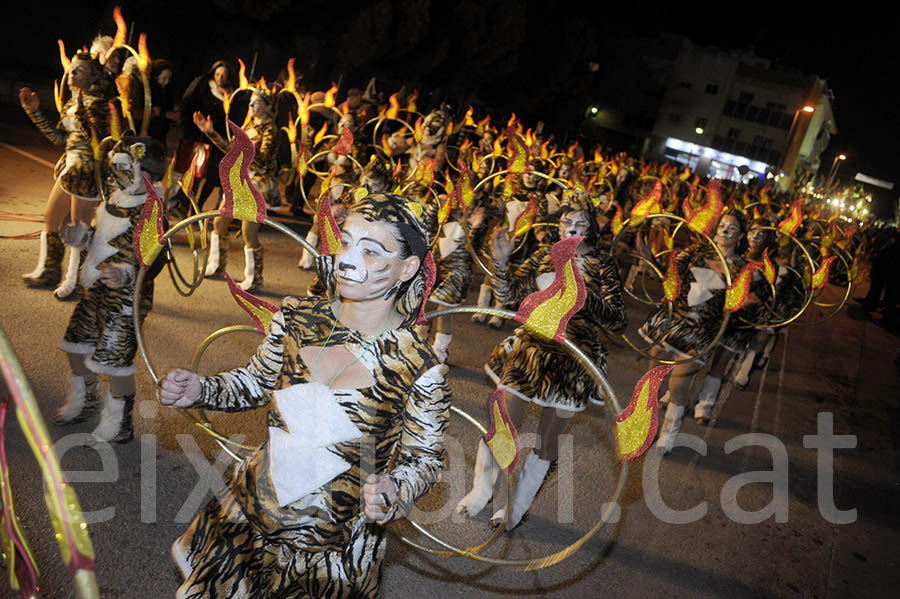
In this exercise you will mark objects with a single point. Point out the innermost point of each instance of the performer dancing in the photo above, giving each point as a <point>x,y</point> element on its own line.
<point>264,135</point>
<point>355,392</point>
<point>531,370</point>
<point>74,191</point>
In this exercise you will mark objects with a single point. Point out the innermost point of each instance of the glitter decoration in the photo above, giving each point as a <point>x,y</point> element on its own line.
<point>636,424</point>
<point>243,200</point>
<point>502,437</point>
<point>704,219</point>
<point>261,311</point>
<point>672,282</point>
<point>736,295</point>
<point>149,231</point>
<point>768,268</point>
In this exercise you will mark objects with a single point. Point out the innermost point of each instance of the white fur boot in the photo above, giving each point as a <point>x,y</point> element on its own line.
<point>252,269</point>
<point>670,426</point>
<point>215,264</point>
<point>307,262</point>
<point>496,322</point>
<point>42,259</point>
<point>484,300</point>
<point>486,471</point>
<point>70,280</point>
<point>115,419</point>
<point>441,346</point>
<point>706,399</point>
<point>742,376</point>
<point>530,480</point>
<point>82,401</point>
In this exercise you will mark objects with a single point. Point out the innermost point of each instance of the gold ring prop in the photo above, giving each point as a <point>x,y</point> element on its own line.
<point>837,305</point>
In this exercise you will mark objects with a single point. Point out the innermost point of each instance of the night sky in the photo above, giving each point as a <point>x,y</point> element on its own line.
<point>529,57</point>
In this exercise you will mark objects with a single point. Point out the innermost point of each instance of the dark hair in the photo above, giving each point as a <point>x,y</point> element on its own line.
<point>158,65</point>
<point>741,246</point>
<point>229,72</point>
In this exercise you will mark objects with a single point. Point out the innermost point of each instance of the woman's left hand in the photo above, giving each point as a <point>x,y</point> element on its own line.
<point>376,490</point>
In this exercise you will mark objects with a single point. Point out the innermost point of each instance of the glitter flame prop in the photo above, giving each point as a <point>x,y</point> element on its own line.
<point>672,282</point>
<point>736,295</point>
<point>647,206</point>
<point>149,231</point>
<point>329,233</point>
<point>345,143</point>
<point>704,219</point>
<point>768,268</point>
<point>820,277</point>
<point>546,313</point>
<point>329,96</point>
<point>526,218</point>
<point>121,28</point>
<point>791,223</point>
<point>291,83</point>
<point>636,424</point>
<point>618,220</point>
<point>465,189</point>
<point>243,200</point>
<point>394,109</point>
<point>501,436</point>
<point>262,312</point>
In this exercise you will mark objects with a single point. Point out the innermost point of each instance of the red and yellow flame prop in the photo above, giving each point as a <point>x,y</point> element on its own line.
<point>483,125</point>
<point>502,437</point>
<point>789,225</point>
<point>344,143</point>
<point>243,200</point>
<point>444,211</point>
<point>329,233</point>
<point>765,197</point>
<point>143,55</point>
<point>636,424</point>
<point>115,124</point>
<point>685,175</point>
<point>329,96</point>
<point>820,277</point>
<point>261,311</point>
<point>424,174</point>
<point>704,219</point>
<point>419,130</point>
<point>618,221</point>
<point>385,146</point>
<point>854,273</point>
<point>320,134</point>
<point>768,268</point>
<point>570,152</point>
<point>526,219</point>
<point>546,313</point>
<point>303,108</point>
<point>411,104</point>
<point>468,120</point>
<point>303,156</point>
<point>121,28</point>
<point>291,83</point>
<point>672,282</point>
<point>518,153</point>
<point>149,231</point>
<point>63,59</point>
<point>465,188</point>
<point>737,293</point>
<point>394,109</point>
<point>647,206</point>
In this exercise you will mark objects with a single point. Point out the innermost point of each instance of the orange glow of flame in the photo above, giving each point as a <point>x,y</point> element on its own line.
<point>329,96</point>
<point>546,313</point>
<point>736,295</point>
<point>672,282</point>
<point>149,231</point>
<point>394,109</point>
<point>291,83</point>
<point>243,83</point>
<point>705,219</point>
<point>262,312</point>
<point>468,120</point>
<point>329,233</point>
<point>636,424</point>
<point>243,200</point>
<point>647,206</point>
<point>411,104</point>
<point>63,59</point>
<point>121,28</point>
<point>598,155</point>
<point>143,54</point>
<point>320,134</point>
<point>571,151</point>
<point>502,437</point>
<point>529,138</point>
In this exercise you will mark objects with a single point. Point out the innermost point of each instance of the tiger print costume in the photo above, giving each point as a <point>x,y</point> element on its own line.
<point>254,541</point>
<point>542,372</point>
<point>75,168</point>
<point>690,328</point>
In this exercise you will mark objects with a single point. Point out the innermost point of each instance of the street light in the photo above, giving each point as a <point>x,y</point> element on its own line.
<point>834,168</point>
<point>787,164</point>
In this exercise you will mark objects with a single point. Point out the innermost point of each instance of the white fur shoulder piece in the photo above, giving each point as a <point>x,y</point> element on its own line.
<point>108,228</point>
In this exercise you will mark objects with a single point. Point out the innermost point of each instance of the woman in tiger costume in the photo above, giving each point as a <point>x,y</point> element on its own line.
<point>357,406</point>
<point>534,371</point>
<point>264,135</point>
<point>100,338</point>
<point>696,315</point>
<point>84,115</point>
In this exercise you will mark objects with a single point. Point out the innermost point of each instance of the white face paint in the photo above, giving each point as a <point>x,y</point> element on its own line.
<point>81,74</point>
<point>573,224</point>
<point>756,236</point>
<point>259,107</point>
<point>529,180</point>
<point>728,232</point>
<point>368,263</point>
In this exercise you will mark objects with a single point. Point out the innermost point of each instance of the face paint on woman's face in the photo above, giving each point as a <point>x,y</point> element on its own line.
<point>756,236</point>
<point>368,263</point>
<point>573,224</point>
<point>728,232</point>
<point>81,75</point>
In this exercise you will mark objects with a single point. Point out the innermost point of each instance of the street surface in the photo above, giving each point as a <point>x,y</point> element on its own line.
<point>152,487</point>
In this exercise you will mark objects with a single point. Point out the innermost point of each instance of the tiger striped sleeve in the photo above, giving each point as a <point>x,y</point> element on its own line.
<point>512,287</point>
<point>56,136</point>
<point>98,116</point>
<point>420,456</point>
<point>220,142</point>
<point>605,301</point>
<point>251,386</point>
<point>266,149</point>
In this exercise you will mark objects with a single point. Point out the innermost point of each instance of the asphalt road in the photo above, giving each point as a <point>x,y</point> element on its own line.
<point>151,487</point>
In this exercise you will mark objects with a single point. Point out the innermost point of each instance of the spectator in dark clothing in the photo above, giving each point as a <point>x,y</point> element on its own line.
<point>161,72</point>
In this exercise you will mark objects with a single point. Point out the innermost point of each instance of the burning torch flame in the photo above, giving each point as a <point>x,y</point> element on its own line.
<point>262,312</point>
<point>636,424</point>
<point>148,232</point>
<point>736,295</point>
<point>705,219</point>
<point>672,282</point>
<point>546,313</point>
<point>243,200</point>
<point>329,233</point>
<point>502,437</point>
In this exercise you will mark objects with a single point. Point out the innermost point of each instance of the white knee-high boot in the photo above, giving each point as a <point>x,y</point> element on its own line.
<point>70,280</point>
<point>486,471</point>
<point>253,269</point>
<point>671,424</point>
<point>218,255</point>
<point>441,345</point>
<point>534,472</point>
<point>484,300</point>
<point>42,259</point>
<point>82,401</point>
<point>706,399</point>
<point>115,419</point>
<point>307,262</point>
<point>742,376</point>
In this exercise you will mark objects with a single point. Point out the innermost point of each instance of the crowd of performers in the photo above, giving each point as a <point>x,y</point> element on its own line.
<point>481,197</point>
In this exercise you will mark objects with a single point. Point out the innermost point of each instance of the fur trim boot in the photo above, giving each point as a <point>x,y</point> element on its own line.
<point>742,376</point>
<point>82,402</point>
<point>486,471</point>
<point>441,346</point>
<point>670,426</point>
<point>66,289</point>
<point>218,256</point>
<point>496,322</point>
<point>706,399</point>
<point>484,300</point>
<point>534,473</point>
<point>115,419</point>
<point>49,269</point>
<point>253,269</point>
<point>307,262</point>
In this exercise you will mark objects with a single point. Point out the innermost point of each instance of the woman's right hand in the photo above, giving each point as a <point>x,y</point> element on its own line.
<point>503,244</point>
<point>204,123</point>
<point>28,99</point>
<point>180,388</point>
